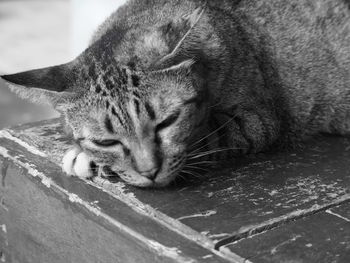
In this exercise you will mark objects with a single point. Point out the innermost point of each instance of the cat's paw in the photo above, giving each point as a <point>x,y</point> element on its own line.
<point>77,163</point>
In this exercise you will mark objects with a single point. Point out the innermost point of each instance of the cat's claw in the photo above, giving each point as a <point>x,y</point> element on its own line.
<point>77,163</point>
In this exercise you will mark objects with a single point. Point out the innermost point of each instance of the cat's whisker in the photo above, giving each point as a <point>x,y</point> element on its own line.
<point>207,144</point>
<point>214,105</point>
<point>210,152</point>
<point>214,150</point>
<point>181,176</point>
<point>191,173</point>
<point>203,162</point>
<point>213,132</point>
<point>196,167</point>
<point>203,146</point>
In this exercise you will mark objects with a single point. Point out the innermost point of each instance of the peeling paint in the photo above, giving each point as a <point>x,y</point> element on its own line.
<point>118,191</point>
<point>128,198</point>
<point>3,151</point>
<point>46,181</point>
<point>226,251</point>
<point>266,213</point>
<point>273,192</point>
<point>5,134</point>
<point>2,204</point>
<point>202,214</point>
<point>155,246</point>
<point>332,195</point>
<point>171,252</point>
<point>76,199</point>
<point>221,235</point>
<point>308,245</point>
<point>257,229</point>
<point>293,193</point>
<point>337,215</point>
<point>274,249</point>
<point>3,228</point>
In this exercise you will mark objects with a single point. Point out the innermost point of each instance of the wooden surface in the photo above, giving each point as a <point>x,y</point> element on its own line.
<point>323,237</point>
<point>268,208</point>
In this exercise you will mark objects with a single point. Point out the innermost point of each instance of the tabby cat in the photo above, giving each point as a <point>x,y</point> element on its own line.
<point>165,84</point>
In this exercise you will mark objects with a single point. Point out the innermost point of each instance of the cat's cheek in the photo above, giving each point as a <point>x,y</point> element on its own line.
<point>133,178</point>
<point>164,181</point>
<point>137,180</point>
<point>165,178</point>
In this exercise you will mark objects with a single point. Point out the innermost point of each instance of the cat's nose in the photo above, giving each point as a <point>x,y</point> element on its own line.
<point>146,160</point>
<point>150,174</point>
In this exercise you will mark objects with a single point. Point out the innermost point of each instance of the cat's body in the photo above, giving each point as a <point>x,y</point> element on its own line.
<point>165,83</point>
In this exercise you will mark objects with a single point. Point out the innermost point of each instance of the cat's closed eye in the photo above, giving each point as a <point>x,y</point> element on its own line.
<point>107,143</point>
<point>168,121</point>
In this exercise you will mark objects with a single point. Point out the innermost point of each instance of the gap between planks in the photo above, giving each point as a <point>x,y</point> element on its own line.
<point>279,221</point>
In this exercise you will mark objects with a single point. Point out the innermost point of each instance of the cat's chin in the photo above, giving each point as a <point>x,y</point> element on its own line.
<point>133,178</point>
<point>147,183</point>
<point>144,182</point>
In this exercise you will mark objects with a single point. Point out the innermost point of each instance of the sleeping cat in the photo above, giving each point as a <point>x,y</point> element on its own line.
<point>168,85</point>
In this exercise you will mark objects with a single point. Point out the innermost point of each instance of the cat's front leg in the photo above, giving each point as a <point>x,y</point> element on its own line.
<point>250,131</point>
<point>76,162</point>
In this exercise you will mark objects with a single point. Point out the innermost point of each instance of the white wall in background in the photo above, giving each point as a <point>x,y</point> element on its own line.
<point>33,34</point>
<point>87,15</point>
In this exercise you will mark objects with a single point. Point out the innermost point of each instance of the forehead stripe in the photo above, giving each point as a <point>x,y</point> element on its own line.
<point>109,125</point>
<point>137,107</point>
<point>136,94</point>
<point>150,111</point>
<point>117,115</point>
<point>135,80</point>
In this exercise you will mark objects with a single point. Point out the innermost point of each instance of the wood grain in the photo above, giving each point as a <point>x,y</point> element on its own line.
<point>43,208</point>
<point>232,205</point>
<point>323,237</point>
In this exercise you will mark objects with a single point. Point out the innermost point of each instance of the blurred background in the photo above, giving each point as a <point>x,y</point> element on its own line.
<point>40,33</point>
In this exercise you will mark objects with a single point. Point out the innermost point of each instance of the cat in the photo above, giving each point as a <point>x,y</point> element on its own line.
<point>167,86</point>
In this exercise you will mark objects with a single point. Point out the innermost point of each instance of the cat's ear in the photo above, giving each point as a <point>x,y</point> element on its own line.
<point>188,67</point>
<point>179,35</point>
<point>43,86</point>
<point>182,67</point>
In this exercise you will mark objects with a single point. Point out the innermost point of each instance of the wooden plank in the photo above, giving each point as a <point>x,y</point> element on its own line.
<point>323,237</point>
<point>255,194</point>
<point>270,189</point>
<point>42,228</point>
<point>51,216</point>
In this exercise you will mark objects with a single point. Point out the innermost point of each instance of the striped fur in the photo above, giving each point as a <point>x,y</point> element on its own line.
<point>167,87</point>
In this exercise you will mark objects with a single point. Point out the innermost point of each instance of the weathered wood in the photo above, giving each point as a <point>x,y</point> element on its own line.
<point>271,187</point>
<point>323,237</point>
<point>341,211</point>
<point>42,227</point>
<point>200,217</point>
<point>51,216</point>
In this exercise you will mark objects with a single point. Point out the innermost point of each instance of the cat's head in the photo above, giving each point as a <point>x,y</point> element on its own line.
<point>140,124</point>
